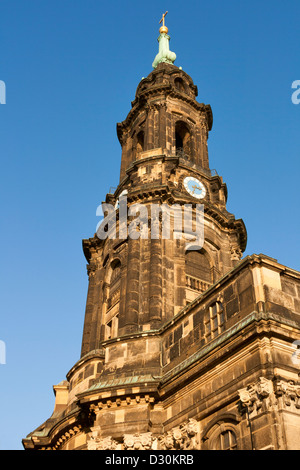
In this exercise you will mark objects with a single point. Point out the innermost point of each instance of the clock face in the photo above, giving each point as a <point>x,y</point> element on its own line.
<point>194,187</point>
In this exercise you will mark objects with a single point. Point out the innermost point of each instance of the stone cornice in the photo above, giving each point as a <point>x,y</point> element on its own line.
<point>95,354</point>
<point>134,389</point>
<point>57,430</point>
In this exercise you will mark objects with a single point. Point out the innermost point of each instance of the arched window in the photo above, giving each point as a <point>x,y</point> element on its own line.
<point>198,273</point>
<point>222,434</point>
<point>112,300</point>
<point>197,265</point>
<point>182,138</point>
<point>226,440</point>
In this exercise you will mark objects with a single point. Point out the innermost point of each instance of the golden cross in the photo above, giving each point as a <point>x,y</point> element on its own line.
<point>163,19</point>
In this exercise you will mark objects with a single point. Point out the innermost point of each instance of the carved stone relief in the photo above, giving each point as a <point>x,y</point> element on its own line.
<point>141,441</point>
<point>280,393</point>
<point>96,442</point>
<point>183,437</point>
<point>252,397</point>
<point>289,392</point>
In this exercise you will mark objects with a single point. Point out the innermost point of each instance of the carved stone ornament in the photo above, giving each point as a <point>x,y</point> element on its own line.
<point>65,437</point>
<point>252,396</point>
<point>183,437</point>
<point>236,253</point>
<point>138,441</point>
<point>280,393</point>
<point>91,269</point>
<point>107,443</point>
<point>97,443</point>
<point>289,391</point>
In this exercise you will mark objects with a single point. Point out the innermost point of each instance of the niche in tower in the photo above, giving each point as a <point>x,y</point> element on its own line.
<point>183,139</point>
<point>198,271</point>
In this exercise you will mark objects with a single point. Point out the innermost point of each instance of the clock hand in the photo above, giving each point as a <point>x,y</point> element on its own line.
<point>196,187</point>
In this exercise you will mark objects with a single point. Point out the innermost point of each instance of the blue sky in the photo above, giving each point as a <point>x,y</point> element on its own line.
<point>71,69</point>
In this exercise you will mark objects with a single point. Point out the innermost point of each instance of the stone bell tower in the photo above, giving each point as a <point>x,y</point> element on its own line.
<point>177,348</point>
<point>139,284</point>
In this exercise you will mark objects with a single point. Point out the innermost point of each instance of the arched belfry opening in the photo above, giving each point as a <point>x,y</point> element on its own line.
<point>179,84</point>
<point>183,140</point>
<point>112,300</point>
<point>140,144</point>
<point>198,273</point>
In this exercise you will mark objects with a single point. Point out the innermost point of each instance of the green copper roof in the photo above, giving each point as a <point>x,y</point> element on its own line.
<point>164,53</point>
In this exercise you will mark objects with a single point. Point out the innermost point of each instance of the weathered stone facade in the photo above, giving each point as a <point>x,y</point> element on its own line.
<point>182,349</point>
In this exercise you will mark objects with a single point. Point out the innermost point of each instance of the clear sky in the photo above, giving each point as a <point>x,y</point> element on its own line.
<point>71,68</point>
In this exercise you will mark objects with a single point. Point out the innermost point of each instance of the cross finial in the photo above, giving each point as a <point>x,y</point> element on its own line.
<point>163,28</point>
<point>163,19</point>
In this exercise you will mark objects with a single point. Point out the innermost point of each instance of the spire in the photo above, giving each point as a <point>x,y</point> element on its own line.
<point>164,53</point>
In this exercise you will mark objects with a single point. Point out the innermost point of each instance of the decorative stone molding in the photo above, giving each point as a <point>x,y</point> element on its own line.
<point>236,253</point>
<point>138,441</point>
<point>66,436</point>
<point>92,268</point>
<point>96,442</point>
<point>252,397</point>
<point>265,394</point>
<point>113,402</point>
<point>288,391</point>
<point>107,443</point>
<point>183,437</point>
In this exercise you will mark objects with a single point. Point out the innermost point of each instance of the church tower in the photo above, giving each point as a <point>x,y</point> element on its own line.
<point>175,351</point>
<point>140,284</point>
